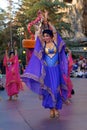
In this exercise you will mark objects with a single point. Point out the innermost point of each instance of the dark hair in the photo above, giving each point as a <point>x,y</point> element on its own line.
<point>48,31</point>
<point>11,52</point>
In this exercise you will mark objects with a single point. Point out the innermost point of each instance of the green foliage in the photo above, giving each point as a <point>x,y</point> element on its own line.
<point>29,8</point>
<point>63,26</point>
<point>26,12</point>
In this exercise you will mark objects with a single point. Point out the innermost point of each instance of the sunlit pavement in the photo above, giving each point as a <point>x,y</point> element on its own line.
<point>27,113</point>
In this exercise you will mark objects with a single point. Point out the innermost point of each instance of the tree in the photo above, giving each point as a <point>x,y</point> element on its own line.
<point>15,18</point>
<point>29,8</point>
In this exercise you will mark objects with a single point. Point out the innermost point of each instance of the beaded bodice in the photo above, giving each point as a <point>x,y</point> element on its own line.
<point>51,55</point>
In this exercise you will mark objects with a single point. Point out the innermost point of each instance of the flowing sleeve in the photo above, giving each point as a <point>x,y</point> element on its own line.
<point>16,64</point>
<point>5,61</point>
<point>70,62</point>
<point>15,68</point>
<point>34,73</point>
<point>63,66</point>
<point>62,56</point>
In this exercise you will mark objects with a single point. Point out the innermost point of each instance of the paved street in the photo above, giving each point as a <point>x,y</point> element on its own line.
<point>27,113</point>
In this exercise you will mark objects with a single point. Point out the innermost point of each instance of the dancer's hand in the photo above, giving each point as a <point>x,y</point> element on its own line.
<point>46,14</point>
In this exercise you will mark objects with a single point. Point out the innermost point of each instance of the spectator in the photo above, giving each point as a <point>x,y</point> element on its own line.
<point>1,82</point>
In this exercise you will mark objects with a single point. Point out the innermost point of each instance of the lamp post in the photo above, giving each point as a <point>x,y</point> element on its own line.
<point>10,19</point>
<point>85,50</point>
<point>24,52</point>
<point>20,32</point>
<point>11,36</point>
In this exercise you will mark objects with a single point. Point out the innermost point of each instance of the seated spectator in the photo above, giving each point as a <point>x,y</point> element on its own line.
<point>75,65</point>
<point>79,73</point>
<point>83,65</point>
<point>1,82</point>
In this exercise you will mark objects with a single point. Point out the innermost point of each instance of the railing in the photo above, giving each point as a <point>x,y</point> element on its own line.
<point>79,49</point>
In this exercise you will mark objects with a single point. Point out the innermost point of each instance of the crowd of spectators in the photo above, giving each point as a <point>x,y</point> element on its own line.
<point>79,68</point>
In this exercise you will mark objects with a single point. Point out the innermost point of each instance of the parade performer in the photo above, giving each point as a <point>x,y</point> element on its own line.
<point>44,73</point>
<point>70,67</point>
<point>13,82</point>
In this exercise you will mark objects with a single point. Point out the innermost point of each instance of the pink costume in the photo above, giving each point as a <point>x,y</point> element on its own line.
<point>67,78</point>
<point>69,82</point>
<point>13,82</point>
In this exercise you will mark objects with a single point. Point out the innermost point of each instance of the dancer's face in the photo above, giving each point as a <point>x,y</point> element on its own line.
<point>47,37</point>
<point>12,54</point>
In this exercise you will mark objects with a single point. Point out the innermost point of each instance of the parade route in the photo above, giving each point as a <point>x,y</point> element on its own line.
<point>27,113</point>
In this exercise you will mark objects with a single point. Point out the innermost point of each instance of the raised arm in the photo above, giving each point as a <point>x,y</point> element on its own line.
<point>15,48</point>
<point>54,31</point>
<point>46,17</point>
<point>5,58</point>
<point>16,51</point>
<point>39,34</point>
<point>45,24</point>
<point>6,53</point>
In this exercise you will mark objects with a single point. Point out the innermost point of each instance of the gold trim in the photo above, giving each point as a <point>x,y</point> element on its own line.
<point>38,54</point>
<point>62,43</point>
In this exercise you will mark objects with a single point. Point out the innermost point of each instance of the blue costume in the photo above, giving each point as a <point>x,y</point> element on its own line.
<point>44,73</point>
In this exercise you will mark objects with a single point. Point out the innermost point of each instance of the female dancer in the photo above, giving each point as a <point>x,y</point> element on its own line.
<point>67,79</point>
<point>45,69</point>
<point>13,82</point>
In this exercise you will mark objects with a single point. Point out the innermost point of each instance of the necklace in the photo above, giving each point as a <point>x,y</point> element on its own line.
<point>50,45</point>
